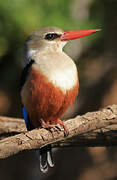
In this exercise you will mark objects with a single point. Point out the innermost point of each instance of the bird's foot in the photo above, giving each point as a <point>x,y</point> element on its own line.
<point>49,127</point>
<point>61,123</point>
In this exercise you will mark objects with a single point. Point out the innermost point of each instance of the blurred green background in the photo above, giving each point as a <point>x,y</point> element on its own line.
<point>96,58</point>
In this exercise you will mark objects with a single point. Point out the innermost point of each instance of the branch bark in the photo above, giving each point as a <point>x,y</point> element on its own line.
<point>97,128</point>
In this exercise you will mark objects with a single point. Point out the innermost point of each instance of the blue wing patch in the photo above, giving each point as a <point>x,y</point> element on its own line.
<point>28,124</point>
<point>25,116</point>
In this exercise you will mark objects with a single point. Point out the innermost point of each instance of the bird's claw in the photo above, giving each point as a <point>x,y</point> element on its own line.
<point>61,123</point>
<point>51,127</point>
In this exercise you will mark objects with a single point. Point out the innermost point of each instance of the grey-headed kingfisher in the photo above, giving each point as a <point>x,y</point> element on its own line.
<point>49,82</point>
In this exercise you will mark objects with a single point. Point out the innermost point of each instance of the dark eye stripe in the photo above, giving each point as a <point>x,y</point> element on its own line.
<point>52,36</point>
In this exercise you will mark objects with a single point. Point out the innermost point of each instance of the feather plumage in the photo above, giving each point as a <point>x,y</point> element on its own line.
<point>44,153</point>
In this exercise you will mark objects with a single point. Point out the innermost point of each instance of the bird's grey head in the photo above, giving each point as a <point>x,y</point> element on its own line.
<point>45,39</point>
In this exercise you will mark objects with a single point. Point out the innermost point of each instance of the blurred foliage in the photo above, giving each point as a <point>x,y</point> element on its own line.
<point>19,18</point>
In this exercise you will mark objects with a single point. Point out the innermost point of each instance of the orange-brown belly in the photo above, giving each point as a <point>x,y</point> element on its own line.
<point>43,100</point>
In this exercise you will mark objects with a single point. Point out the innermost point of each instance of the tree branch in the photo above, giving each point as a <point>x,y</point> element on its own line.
<point>92,129</point>
<point>11,125</point>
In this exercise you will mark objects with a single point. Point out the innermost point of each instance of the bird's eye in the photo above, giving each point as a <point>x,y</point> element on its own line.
<point>52,36</point>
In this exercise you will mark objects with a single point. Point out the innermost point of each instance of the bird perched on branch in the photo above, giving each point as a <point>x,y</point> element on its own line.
<point>49,82</point>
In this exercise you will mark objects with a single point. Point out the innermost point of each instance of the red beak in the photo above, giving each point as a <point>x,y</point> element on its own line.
<point>70,35</point>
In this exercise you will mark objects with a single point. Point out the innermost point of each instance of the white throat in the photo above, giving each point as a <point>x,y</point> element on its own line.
<point>48,48</point>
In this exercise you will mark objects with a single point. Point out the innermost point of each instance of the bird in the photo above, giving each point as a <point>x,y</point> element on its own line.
<point>49,82</point>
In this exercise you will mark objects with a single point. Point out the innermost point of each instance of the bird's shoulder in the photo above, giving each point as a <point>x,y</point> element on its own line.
<point>25,73</point>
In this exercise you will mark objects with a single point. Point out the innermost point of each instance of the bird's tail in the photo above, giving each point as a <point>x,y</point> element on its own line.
<point>45,157</point>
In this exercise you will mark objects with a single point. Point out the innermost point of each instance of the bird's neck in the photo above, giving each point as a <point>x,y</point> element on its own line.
<point>29,52</point>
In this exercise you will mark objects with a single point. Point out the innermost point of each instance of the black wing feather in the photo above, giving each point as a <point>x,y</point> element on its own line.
<point>25,73</point>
